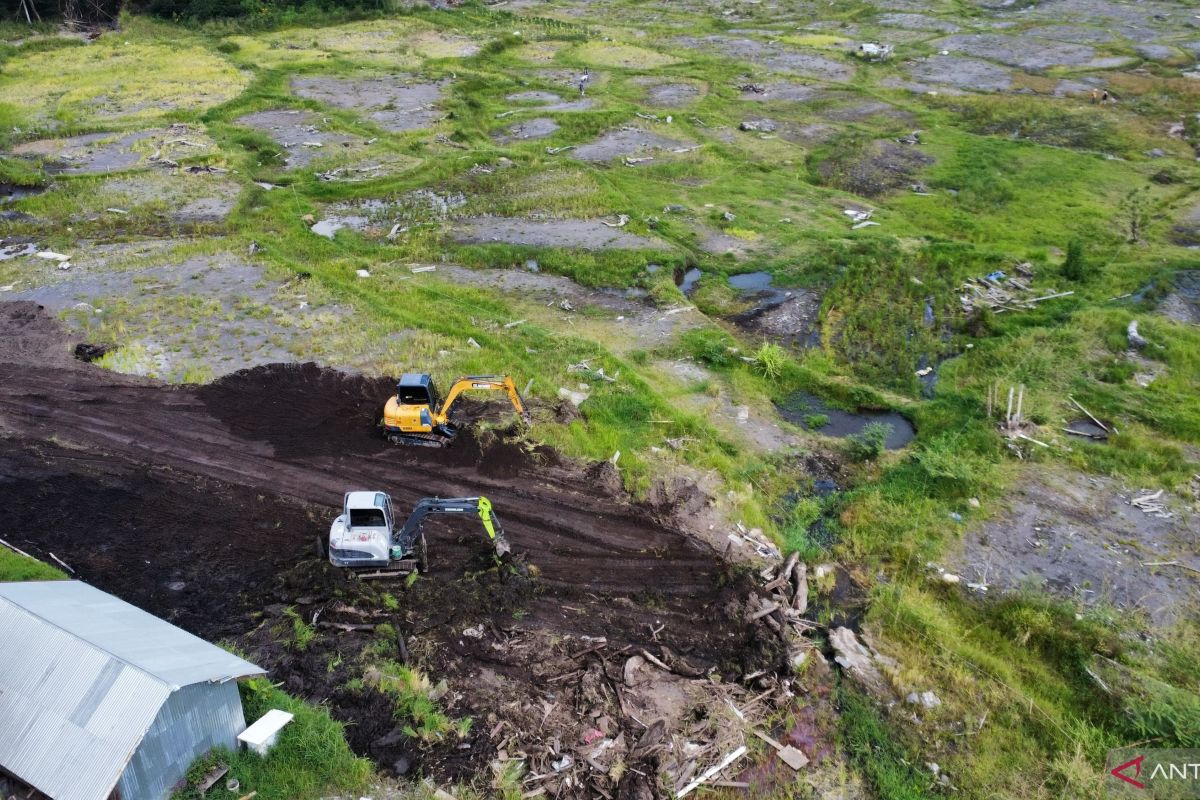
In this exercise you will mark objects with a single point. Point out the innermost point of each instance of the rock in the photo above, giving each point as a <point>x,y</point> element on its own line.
<point>401,766</point>
<point>923,699</point>
<point>729,217</point>
<point>308,218</point>
<point>1157,152</point>
<point>973,502</point>
<point>1136,340</point>
<point>858,662</point>
<point>948,577</point>
<point>759,125</point>
<point>362,273</point>
<point>475,632</point>
<point>821,570</point>
<point>933,767</point>
<point>674,208</point>
<point>533,266</point>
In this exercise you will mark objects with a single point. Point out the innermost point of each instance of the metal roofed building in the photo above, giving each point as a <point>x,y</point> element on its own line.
<point>99,699</point>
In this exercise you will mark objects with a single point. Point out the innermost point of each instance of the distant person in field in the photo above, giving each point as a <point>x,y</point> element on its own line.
<point>583,80</point>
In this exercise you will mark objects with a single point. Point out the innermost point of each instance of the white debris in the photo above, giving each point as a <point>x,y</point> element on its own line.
<point>50,255</point>
<point>1136,340</point>
<point>362,273</point>
<point>471,341</point>
<point>574,398</point>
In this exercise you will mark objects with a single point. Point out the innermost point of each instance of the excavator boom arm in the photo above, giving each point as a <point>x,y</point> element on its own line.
<point>411,531</point>
<point>487,382</point>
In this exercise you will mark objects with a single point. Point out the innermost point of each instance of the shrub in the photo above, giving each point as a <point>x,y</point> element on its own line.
<point>709,346</point>
<point>868,444</point>
<point>770,360</point>
<point>1075,266</point>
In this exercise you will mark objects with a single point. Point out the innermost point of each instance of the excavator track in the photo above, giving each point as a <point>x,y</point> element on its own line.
<point>420,439</point>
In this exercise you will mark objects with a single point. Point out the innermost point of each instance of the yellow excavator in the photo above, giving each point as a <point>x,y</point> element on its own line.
<point>414,415</point>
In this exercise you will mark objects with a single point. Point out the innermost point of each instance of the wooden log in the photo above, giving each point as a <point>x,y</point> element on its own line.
<point>800,578</point>
<point>764,611</point>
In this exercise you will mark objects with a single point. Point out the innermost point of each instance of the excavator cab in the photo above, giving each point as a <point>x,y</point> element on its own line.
<point>415,389</point>
<point>417,415</point>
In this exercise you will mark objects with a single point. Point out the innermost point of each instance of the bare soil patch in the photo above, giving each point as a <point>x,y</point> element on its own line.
<point>628,143</point>
<point>569,233</point>
<point>97,153</point>
<point>1187,230</point>
<point>1026,52</point>
<point>669,95</point>
<point>771,56</point>
<point>919,22</point>
<point>964,73</point>
<point>549,101</point>
<point>1077,536</point>
<point>395,103</point>
<point>303,135</point>
<point>779,91</point>
<point>874,168</point>
<point>536,128</point>
<point>1182,303</point>
<point>276,447</point>
<point>621,319</point>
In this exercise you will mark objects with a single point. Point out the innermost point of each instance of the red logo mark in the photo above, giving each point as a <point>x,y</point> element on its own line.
<point>1119,772</point>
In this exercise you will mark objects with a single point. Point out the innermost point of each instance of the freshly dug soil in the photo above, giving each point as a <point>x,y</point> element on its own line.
<point>202,505</point>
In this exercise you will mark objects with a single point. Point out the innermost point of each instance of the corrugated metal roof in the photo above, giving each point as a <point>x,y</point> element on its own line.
<point>142,640</point>
<point>82,677</point>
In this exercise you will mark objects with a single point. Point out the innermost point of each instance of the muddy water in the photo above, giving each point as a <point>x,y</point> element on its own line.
<point>800,405</point>
<point>760,286</point>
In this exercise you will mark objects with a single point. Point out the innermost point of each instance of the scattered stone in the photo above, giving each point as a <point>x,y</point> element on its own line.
<point>759,125</point>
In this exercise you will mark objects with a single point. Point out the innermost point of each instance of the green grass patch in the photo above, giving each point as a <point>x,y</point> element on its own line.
<point>311,758</point>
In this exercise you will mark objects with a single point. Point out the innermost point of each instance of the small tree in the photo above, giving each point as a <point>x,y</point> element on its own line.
<point>1134,213</point>
<point>1075,267</point>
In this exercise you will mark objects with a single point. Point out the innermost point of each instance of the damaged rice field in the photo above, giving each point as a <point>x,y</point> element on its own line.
<point>830,426</point>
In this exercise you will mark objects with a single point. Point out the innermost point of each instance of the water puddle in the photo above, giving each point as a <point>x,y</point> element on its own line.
<point>1084,428</point>
<point>806,410</point>
<point>686,281</point>
<point>760,287</point>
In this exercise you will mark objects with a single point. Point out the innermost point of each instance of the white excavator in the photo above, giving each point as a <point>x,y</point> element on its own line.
<point>365,537</point>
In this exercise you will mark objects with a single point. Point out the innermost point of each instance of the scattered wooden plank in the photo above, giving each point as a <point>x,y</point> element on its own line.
<point>712,772</point>
<point>215,774</point>
<point>787,754</point>
<point>1090,416</point>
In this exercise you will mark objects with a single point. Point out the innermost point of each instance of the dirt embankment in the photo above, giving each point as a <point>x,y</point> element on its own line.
<point>202,504</point>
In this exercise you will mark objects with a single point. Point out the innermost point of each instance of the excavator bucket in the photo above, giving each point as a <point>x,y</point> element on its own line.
<point>491,526</point>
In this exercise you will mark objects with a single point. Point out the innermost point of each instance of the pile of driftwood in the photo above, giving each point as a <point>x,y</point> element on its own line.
<point>783,608</point>
<point>1004,293</point>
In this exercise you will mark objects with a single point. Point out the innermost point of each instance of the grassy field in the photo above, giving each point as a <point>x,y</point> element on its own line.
<point>1001,179</point>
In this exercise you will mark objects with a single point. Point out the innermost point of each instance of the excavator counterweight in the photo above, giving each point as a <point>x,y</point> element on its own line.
<point>415,416</point>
